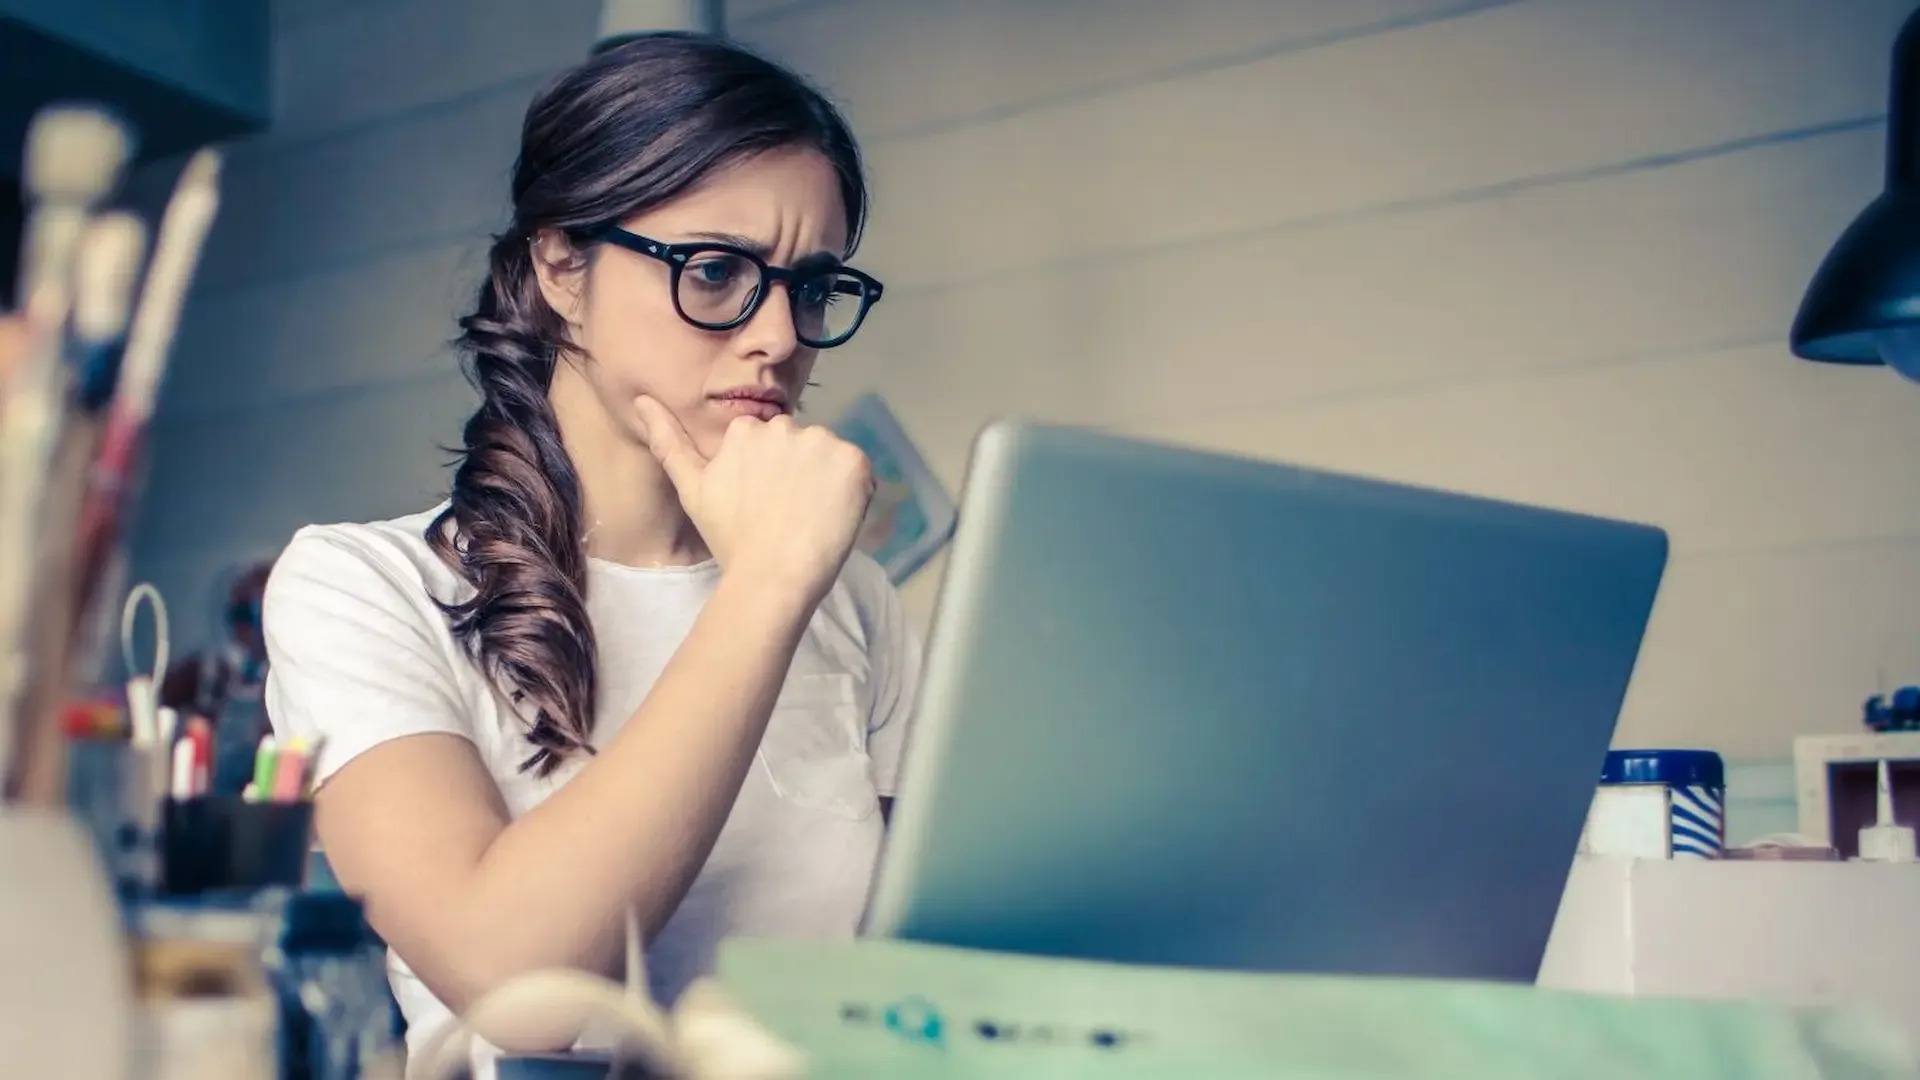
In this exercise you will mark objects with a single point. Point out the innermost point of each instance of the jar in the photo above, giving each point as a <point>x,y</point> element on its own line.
<point>1658,804</point>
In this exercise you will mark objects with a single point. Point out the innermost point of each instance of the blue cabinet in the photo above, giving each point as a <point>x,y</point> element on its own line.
<point>184,72</point>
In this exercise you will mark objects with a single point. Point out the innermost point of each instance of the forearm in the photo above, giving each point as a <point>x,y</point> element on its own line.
<point>636,824</point>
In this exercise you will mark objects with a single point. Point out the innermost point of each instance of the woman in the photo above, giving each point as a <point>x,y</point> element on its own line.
<point>630,662</point>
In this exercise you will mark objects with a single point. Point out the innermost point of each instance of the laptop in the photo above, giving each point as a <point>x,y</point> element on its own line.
<point>1187,709</point>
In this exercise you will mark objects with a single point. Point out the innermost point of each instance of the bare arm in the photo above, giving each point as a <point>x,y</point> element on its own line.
<point>416,827</point>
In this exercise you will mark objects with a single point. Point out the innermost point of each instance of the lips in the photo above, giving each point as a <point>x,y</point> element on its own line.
<point>760,410</point>
<point>754,402</point>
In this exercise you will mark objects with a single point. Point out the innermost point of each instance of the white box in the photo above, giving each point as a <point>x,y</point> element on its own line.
<point>1799,933</point>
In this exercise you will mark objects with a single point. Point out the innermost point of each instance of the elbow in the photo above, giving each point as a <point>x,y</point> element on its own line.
<point>458,960</point>
<point>464,987</point>
<point>466,962</point>
<point>461,977</point>
<point>459,982</point>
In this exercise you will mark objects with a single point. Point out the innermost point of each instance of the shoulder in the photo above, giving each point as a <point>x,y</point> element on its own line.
<point>359,651</point>
<point>374,562</point>
<point>357,576</point>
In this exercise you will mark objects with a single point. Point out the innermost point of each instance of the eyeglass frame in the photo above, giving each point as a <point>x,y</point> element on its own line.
<point>676,257</point>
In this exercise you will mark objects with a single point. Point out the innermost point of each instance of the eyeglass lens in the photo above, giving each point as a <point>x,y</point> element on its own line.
<point>718,288</point>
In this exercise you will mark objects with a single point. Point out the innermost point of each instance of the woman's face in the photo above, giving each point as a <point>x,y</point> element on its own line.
<point>784,206</point>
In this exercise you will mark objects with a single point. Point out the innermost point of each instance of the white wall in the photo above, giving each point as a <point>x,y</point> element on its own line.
<point>1545,250</point>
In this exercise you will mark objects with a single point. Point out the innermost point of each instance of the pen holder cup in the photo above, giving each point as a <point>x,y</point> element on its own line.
<point>220,844</point>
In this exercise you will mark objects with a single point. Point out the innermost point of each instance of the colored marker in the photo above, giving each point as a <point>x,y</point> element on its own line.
<point>265,761</point>
<point>200,739</point>
<point>181,784</point>
<point>290,773</point>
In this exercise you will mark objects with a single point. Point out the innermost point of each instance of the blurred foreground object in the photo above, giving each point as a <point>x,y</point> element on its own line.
<point>78,372</point>
<point>66,1010</point>
<point>73,160</point>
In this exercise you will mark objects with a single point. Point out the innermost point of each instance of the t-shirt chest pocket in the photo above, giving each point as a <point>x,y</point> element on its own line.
<point>815,748</point>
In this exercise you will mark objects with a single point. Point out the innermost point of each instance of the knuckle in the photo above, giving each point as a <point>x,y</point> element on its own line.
<point>855,461</point>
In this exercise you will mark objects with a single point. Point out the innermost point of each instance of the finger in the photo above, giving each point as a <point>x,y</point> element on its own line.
<point>747,423</point>
<point>669,443</point>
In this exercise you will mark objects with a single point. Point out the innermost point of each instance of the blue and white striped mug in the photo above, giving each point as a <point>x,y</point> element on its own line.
<point>1659,804</point>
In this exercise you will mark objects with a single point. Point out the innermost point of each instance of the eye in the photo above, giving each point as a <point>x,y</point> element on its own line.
<point>815,292</point>
<point>714,269</point>
<point>826,291</point>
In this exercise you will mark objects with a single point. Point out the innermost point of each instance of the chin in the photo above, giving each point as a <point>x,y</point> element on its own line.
<point>709,434</point>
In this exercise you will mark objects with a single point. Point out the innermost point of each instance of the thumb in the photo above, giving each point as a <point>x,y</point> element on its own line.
<point>670,444</point>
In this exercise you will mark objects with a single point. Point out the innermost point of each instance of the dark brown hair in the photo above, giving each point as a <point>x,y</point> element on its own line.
<point>639,123</point>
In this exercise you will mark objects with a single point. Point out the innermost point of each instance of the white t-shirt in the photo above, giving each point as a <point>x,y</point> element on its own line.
<point>360,654</point>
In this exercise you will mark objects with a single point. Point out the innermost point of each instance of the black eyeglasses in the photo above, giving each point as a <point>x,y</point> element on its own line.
<point>719,286</point>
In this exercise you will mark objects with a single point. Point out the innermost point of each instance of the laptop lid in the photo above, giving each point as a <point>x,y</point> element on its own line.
<point>1181,708</point>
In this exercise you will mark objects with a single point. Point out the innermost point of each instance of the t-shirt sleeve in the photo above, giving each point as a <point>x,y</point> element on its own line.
<point>894,658</point>
<point>352,658</point>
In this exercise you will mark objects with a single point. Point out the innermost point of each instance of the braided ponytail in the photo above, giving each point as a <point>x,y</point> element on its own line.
<point>515,515</point>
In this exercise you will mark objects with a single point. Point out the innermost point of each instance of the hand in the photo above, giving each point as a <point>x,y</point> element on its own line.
<point>777,501</point>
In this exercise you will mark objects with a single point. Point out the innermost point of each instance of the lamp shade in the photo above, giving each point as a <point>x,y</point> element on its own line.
<point>1863,305</point>
<point>621,19</point>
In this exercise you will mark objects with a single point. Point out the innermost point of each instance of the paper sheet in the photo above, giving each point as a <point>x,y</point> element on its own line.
<point>872,1008</point>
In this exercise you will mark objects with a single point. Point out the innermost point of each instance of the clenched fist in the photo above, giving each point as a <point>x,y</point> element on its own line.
<point>777,501</point>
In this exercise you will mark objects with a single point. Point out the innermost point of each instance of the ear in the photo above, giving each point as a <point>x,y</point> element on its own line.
<point>562,271</point>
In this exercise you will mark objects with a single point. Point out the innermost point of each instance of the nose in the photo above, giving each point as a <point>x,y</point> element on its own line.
<point>770,333</point>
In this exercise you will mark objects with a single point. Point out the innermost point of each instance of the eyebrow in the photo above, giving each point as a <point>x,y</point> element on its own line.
<point>745,243</point>
<point>765,250</point>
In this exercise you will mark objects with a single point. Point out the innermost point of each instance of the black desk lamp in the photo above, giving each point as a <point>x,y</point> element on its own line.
<point>1863,306</point>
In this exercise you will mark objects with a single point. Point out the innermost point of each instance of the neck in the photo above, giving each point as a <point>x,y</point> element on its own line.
<point>630,513</point>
